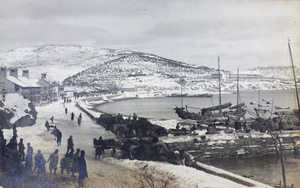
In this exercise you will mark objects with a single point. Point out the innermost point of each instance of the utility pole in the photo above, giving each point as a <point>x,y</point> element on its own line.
<point>294,75</point>
<point>220,100</point>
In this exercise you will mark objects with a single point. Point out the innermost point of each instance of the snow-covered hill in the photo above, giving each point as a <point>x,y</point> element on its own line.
<point>115,68</point>
<point>58,61</point>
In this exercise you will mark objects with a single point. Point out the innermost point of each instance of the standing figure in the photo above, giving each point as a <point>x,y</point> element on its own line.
<point>21,150</point>
<point>52,118</point>
<point>65,163</point>
<point>99,145</point>
<point>47,125</point>
<point>58,137</point>
<point>53,158</point>
<point>134,117</point>
<point>72,116</point>
<point>70,144</point>
<point>37,159</point>
<point>39,163</point>
<point>82,169</point>
<point>66,110</point>
<point>15,134</point>
<point>28,158</point>
<point>79,121</point>
<point>74,168</point>
<point>41,166</point>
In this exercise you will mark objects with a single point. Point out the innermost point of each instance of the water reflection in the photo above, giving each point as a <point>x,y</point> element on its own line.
<point>265,169</point>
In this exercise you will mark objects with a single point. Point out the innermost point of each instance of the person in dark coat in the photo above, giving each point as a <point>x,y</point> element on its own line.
<point>52,118</point>
<point>21,150</point>
<point>74,168</point>
<point>99,145</point>
<point>53,158</point>
<point>47,125</point>
<point>72,116</point>
<point>58,137</point>
<point>41,166</point>
<point>15,134</point>
<point>37,160</point>
<point>82,169</point>
<point>66,110</point>
<point>79,121</point>
<point>28,158</point>
<point>39,163</point>
<point>66,164</point>
<point>70,145</point>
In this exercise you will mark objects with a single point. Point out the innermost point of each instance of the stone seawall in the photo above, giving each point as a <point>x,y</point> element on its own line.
<point>235,144</point>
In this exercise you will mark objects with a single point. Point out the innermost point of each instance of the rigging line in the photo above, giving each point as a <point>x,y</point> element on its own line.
<point>194,107</point>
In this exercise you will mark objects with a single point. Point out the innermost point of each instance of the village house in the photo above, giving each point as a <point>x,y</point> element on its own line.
<point>47,90</point>
<point>57,90</point>
<point>13,83</point>
<point>230,76</point>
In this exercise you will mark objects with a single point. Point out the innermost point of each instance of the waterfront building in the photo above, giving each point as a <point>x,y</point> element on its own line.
<point>13,83</point>
<point>228,76</point>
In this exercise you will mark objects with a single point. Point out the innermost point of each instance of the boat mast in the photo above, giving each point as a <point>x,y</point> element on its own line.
<point>294,74</point>
<point>237,87</point>
<point>220,102</point>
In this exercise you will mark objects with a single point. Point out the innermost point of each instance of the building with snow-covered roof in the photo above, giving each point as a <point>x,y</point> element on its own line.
<point>47,91</point>
<point>232,76</point>
<point>13,83</point>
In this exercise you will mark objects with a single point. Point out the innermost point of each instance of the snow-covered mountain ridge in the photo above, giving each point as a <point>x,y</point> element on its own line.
<point>116,68</point>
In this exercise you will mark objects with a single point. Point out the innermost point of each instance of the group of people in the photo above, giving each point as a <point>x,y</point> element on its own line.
<point>78,119</point>
<point>37,163</point>
<point>73,116</point>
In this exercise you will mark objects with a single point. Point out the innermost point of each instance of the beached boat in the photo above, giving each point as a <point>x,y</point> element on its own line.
<point>282,107</point>
<point>217,107</point>
<point>209,114</point>
<point>263,105</point>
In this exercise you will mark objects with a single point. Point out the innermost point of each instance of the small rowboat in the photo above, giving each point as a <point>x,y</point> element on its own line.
<point>282,107</point>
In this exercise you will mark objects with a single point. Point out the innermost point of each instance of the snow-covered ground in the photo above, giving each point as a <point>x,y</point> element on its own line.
<point>109,171</point>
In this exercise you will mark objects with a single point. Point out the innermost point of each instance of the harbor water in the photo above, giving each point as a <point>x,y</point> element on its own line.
<point>265,169</point>
<point>163,107</point>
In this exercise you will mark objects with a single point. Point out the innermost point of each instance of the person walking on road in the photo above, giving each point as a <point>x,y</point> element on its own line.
<point>70,144</point>
<point>72,116</point>
<point>37,159</point>
<point>82,169</point>
<point>58,137</point>
<point>28,158</point>
<point>53,158</point>
<point>21,150</point>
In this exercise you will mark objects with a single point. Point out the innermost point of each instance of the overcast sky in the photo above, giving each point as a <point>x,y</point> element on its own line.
<point>243,33</point>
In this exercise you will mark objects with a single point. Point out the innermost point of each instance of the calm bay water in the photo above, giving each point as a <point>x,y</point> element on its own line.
<point>162,108</point>
<point>266,169</point>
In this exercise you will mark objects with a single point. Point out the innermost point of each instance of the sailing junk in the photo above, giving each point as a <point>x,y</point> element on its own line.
<point>207,115</point>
